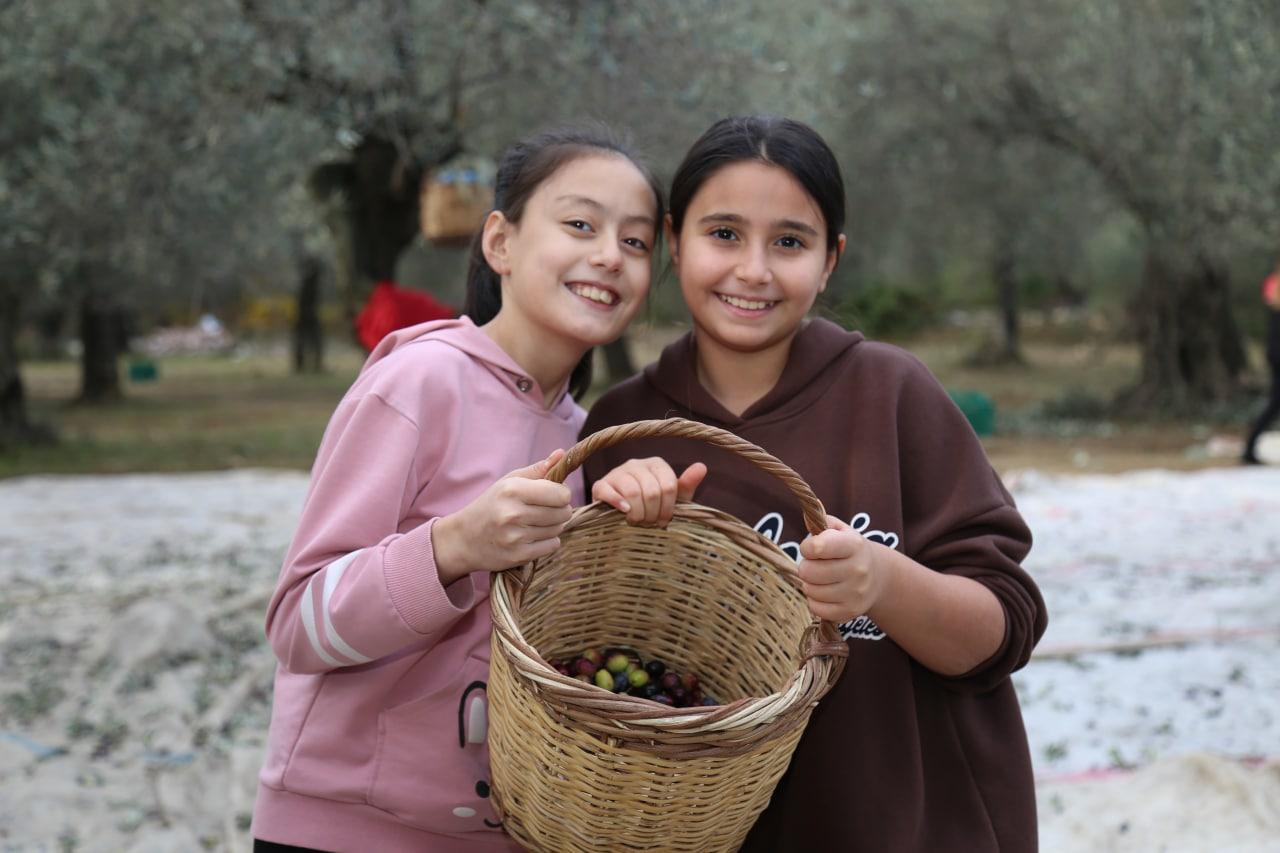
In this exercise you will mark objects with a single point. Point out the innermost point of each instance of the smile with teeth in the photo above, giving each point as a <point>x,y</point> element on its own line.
<point>746,304</point>
<point>595,294</point>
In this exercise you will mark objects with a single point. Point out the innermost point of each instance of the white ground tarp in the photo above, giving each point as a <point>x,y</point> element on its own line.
<point>134,680</point>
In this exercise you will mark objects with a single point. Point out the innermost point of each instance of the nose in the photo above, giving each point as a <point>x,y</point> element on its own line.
<point>608,255</point>
<point>753,267</point>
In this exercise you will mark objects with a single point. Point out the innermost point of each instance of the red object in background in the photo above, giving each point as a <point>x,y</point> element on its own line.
<point>1271,288</point>
<point>390,307</point>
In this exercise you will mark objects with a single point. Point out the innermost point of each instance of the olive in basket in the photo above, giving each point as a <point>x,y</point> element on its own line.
<point>622,670</point>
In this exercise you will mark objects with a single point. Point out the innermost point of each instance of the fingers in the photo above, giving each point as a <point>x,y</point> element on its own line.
<point>647,490</point>
<point>835,600</point>
<point>665,479</point>
<point>541,548</point>
<point>539,469</point>
<point>645,495</point>
<point>551,517</point>
<point>645,487</point>
<point>622,483</point>
<point>831,544</point>
<point>604,491</point>
<point>830,612</point>
<point>831,575</point>
<point>536,492</point>
<point>816,573</point>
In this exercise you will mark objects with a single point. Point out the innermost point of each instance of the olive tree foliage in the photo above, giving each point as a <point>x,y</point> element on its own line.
<point>168,155</point>
<point>129,179</point>
<point>161,154</point>
<point>934,205</point>
<point>1169,104</point>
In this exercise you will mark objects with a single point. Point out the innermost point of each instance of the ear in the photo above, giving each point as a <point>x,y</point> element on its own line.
<point>494,242</point>
<point>833,258</point>
<point>670,236</point>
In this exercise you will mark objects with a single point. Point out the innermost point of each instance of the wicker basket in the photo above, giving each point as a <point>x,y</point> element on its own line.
<point>577,768</point>
<point>452,205</point>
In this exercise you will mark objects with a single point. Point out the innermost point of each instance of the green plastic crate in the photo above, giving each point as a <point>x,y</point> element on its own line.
<point>979,408</point>
<point>143,370</point>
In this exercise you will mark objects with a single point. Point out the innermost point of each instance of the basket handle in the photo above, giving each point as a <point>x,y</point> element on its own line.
<point>815,516</point>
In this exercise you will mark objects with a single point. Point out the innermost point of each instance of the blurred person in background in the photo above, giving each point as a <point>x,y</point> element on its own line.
<point>1271,298</point>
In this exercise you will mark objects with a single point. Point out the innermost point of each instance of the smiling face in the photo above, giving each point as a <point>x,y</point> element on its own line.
<point>577,263</point>
<point>751,256</point>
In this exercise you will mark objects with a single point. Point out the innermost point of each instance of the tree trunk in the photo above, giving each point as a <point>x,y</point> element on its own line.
<point>1009,350</point>
<point>308,337</point>
<point>102,342</point>
<point>1004,345</point>
<point>372,204</point>
<point>1192,355</point>
<point>14,426</point>
<point>384,206</point>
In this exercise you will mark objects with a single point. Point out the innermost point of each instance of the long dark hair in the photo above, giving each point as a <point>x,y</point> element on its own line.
<point>782,142</point>
<point>523,168</point>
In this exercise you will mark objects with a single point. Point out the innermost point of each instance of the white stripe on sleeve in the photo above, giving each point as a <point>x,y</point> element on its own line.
<point>307,606</point>
<point>332,575</point>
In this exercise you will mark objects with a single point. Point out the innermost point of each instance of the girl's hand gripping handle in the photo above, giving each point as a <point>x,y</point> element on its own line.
<point>515,520</point>
<point>646,490</point>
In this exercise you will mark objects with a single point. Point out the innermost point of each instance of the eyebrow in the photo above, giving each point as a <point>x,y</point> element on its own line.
<point>787,224</point>
<point>595,205</point>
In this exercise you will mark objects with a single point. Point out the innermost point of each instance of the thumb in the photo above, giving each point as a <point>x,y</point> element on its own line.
<point>834,523</point>
<point>688,482</point>
<point>539,469</point>
<point>818,547</point>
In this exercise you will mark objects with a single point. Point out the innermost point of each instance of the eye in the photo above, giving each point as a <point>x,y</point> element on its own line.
<point>636,243</point>
<point>723,233</point>
<point>790,242</point>
<point>579,224</point>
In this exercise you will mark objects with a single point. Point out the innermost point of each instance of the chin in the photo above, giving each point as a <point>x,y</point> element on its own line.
<point>589,338</point>
<point>753,341</point>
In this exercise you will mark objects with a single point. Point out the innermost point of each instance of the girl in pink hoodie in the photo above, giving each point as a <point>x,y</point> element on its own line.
<point>422,486</point>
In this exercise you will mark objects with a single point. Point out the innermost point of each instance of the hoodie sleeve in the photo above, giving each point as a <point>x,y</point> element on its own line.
<point>354,588</point>
<point>959,519</point>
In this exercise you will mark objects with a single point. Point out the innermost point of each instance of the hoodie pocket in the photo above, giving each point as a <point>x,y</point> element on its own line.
<point>432,763</point>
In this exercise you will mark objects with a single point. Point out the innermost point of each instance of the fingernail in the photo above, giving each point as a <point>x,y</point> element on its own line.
<point>625,507</point>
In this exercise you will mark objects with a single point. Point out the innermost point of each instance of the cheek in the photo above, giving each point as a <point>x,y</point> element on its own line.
<point>806,279</point>
<point>689,289</point>
<point>638,273</point>
<point>698,271</point>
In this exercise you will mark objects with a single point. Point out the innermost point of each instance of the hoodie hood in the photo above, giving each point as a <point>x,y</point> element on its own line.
<point>460,333</point>
<point>465,336</point>
<point>807,375</point>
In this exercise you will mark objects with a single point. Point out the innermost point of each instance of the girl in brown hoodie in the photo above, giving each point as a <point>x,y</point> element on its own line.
<point>920,746</point>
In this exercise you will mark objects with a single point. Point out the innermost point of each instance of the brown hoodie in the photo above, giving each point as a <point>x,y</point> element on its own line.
<point>896,757</point>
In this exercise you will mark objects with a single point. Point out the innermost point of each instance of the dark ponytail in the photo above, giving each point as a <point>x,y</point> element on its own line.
<point>523,168</point>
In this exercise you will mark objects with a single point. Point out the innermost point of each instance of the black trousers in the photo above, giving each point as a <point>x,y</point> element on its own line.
<point>1269,414</point>
<point>260,846</point>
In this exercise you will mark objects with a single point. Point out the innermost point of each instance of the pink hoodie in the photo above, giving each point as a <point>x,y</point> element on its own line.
<point>378,729</point>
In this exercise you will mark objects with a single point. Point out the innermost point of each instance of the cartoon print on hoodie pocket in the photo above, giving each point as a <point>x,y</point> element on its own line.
<point>433,757</point>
